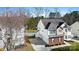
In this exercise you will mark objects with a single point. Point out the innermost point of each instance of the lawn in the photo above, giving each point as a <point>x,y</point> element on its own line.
<point>31,31</point>
<point>1,49</point>
<point>74,47</point>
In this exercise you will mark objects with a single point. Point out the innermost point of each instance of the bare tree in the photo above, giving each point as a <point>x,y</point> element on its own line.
<point>10,22</point>
<point>57,13</point>
<point>46,11</point>
<point>38,11</point>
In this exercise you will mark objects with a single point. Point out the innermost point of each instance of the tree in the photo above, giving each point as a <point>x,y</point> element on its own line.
<point>45,11</point>
<point>32,23</point>
<point>72,17</point>
<point>38,11</point>
<point>52,15</point>
<point>55,14</point>
<point>10,22</point>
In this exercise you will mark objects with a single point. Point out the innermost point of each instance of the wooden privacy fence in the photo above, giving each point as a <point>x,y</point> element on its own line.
<point>56,40</point>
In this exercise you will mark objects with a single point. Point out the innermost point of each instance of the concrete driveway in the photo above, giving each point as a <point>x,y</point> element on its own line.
<point>38,44</point>
<point>37,41</point>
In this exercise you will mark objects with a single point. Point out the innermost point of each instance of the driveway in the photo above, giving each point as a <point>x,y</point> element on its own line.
<point>38,44</point>
<point>37,41</point>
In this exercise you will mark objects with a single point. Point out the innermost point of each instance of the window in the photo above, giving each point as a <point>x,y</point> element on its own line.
<point>65,37</point>
<point>66,30</point>
<point>52,31</point>
<point>69,36</point>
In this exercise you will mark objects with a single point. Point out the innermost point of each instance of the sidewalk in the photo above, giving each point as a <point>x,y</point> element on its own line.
<point>75,40</point>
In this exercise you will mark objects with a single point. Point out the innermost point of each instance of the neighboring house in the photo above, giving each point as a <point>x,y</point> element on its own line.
<point>52,28</point>
<point>75,29</point>
<point>65,30</point>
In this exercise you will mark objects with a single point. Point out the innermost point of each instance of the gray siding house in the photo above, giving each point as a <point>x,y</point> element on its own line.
<point>75,29</point>
<point>48,28</point>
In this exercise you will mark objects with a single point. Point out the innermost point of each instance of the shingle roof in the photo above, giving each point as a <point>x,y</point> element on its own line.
<point>53,23</point>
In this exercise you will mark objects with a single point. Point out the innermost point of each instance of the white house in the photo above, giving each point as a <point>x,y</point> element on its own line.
<point>53,28</point>
<point>64,30</point>
<point>75,29</point>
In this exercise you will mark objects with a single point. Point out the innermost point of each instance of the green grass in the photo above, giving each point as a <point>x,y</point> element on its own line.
<point>74,47</point>
<point>31,30</point>
<point>1,49</point>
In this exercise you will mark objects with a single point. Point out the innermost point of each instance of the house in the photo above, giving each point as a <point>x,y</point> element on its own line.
<point>65,30</point>
<point>75,29</point>
<point>53,29</point>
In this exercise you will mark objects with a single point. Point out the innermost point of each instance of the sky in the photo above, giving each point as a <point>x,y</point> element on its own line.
<point>62,10</point>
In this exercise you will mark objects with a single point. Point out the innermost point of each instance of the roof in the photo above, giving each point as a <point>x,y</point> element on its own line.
<point>60,23</point>
<point>53,26</point>
<point>75,28</point>
<point>75,23</point>
<point>51,23</point>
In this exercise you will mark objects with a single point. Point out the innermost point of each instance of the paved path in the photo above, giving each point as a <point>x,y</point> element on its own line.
<point>75,40</point>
